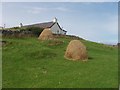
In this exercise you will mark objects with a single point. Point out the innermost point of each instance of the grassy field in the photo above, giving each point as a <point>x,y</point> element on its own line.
<point>30,63</point>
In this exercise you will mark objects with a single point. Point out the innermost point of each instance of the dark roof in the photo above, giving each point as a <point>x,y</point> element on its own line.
<point>42,25</point>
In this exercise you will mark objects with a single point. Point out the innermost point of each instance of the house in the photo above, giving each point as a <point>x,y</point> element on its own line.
<point>53,25</point>
<point>1,27</point>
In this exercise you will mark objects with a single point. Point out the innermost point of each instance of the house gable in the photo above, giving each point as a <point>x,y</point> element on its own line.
<point>56,29</point>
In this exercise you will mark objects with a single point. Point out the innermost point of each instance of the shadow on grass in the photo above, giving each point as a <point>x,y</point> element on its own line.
<point>90,58</point>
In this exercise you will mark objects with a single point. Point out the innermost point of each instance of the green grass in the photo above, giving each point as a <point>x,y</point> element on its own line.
<point>30,63</point>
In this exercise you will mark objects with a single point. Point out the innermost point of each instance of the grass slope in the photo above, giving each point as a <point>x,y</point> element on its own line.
<point>29,63</point>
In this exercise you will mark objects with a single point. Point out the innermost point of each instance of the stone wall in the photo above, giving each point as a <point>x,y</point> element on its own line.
<point>17,33</point>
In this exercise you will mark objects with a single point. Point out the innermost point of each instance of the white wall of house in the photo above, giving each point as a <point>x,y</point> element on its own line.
<point>63,32</point>
<point>56,30</point>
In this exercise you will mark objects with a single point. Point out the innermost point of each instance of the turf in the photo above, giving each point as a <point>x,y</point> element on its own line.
<point>30,63</point>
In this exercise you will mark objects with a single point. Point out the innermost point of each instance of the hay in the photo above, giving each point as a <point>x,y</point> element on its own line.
<point>76,51</point>
<point>46,35</point>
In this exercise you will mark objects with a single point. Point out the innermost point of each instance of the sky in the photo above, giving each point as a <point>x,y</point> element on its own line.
<point>59,0</point>
<point>94,21</point>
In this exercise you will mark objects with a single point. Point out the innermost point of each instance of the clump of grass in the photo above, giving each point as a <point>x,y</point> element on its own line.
<point>41,54</point>
<point>55,42</point>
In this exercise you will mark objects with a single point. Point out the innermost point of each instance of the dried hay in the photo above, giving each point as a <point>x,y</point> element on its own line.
<point>76,51</point>
<point>46,35</point>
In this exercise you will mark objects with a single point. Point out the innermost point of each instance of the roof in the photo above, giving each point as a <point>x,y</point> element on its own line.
<point>42,25</point>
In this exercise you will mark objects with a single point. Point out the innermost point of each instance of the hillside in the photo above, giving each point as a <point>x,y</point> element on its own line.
<point>30,63</point>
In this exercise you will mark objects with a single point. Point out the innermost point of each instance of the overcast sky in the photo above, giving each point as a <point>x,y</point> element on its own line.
<point>95,21</point>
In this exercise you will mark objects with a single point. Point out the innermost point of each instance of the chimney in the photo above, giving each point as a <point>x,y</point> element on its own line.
<point>21,25</point>
<point>55,19</point>
<point>4,26</point>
